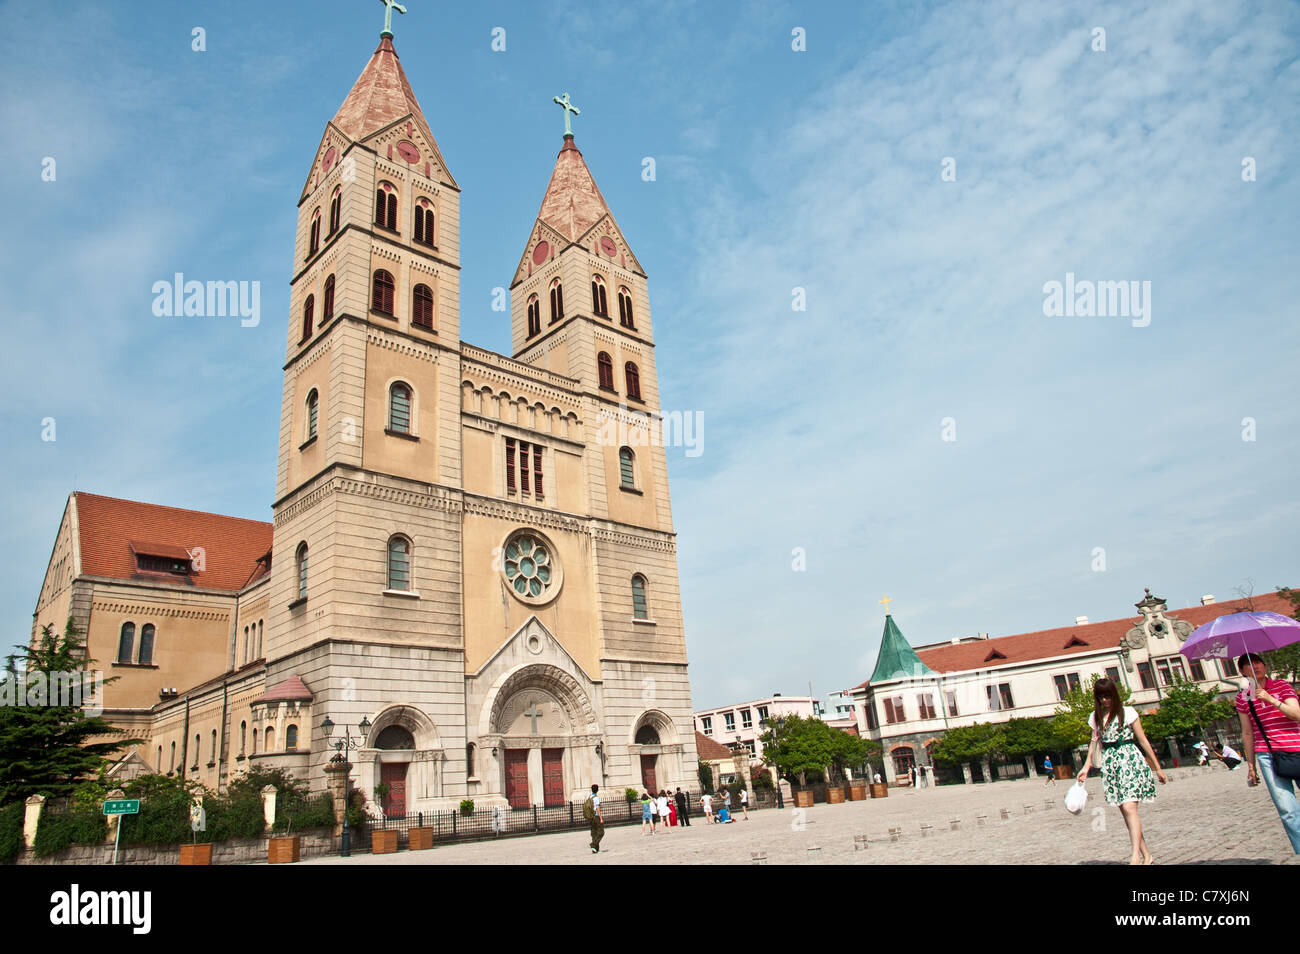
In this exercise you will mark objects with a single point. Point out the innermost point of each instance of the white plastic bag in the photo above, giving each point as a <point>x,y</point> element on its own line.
<point>1076,798</point>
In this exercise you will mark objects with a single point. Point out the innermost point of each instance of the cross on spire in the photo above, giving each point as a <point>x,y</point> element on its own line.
<point>568,108</point>
<point>886,601</point>
<point>389,7</point>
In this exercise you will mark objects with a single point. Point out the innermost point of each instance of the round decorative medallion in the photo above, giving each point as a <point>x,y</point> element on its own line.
<point>607,246</point>
<point>328,162</point>
<point>541,251</point>
<point>535,644</point>
<point>531,569</point>
<point>408,151</point>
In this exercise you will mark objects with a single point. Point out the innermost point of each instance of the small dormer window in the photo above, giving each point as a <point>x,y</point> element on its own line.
<point>162,558</point>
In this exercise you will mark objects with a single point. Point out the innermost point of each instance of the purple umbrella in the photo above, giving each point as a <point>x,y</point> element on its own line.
<point>1229,636</point>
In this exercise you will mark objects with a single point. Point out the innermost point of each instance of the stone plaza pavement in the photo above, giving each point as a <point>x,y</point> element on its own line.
<point>1203,816</point>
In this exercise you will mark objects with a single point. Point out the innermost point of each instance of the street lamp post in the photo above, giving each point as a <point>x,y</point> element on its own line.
<point>343,747</point>
<point>775,726</point>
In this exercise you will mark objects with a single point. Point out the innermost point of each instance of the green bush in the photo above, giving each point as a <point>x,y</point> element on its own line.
<point>77,826</point>
<point>467,806</point>
<point>11,831</point>
<point>706,777</point>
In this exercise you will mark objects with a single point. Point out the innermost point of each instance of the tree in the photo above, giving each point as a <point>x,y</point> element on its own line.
<point>46,748</point>
<point>1286,661</point>
<point>1070,724</point>
<point>1022,737</point>
<point>706,777</point>
<point>967,743</point>
<point>808,745</point>
<point>1185,710</point>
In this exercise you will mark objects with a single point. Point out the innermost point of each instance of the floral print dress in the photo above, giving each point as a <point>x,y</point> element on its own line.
<point>1126,775</point>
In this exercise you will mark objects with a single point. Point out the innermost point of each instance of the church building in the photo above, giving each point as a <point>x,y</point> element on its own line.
<point>471,564</point>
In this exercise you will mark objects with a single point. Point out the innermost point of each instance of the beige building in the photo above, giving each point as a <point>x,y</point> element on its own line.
<point>473,552</point>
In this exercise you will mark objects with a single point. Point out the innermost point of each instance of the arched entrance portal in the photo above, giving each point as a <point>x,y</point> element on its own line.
<point>392,775</point>
<point>544,727</point>
<point>904,760</point>
<point>648,735</point>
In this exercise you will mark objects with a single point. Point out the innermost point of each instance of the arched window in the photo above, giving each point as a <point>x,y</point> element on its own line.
<point>469,760</point>
<point>213,759</point>
<point>381,296</point>
<point>422,306</point>
<point>315,234</point>
<point>146,644</point>
<point>625,468</point>
<point>399,408</point>
<point>638,598</point>
<point>253,751</point>
<point>336,209</point>
<point>259,640</point>
<point>327,310</point>
<point>126,643</point>
<point>248,647</point>
<point>198,741</point>
<point>424,223</point>
<point>633,380</point>
<point>302,571</point>
<point>606,368</point>
<point>647,735</point>
<point>157,766</point>
<point>172,767</point>
<point>313,400</point>
<point>243,736</point>
<point>268,739</point>
<point>308,311</point>
<point>399,564</point>
<point>625,308</point>
<point>386,207</point>
<point>534,315</point>
<point>290,738</point>
<point>557,300</point>
<point>599,305</point>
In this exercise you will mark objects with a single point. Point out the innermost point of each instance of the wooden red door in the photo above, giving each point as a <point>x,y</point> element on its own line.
<point>648,773</point>
<point>517,778</point>
<point>393,774</point>
<point>553,777</point>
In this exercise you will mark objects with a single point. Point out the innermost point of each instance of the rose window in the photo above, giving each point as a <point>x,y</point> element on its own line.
<point>529,567</point>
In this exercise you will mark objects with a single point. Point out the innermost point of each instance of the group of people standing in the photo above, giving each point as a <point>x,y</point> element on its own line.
<point>664,810</point>
<point>1130,769</point>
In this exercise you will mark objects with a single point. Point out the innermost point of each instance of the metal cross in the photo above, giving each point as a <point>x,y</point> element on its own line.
<point>534,712</point>
<point>389,7</point>
<point>568,108</point>
<point>886,600</point>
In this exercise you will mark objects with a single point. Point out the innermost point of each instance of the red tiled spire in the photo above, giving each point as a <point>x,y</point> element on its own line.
<point>380,96</point>
<point>573,202</point>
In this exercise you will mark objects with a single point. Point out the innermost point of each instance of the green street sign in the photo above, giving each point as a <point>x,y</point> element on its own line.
<point>122,806</point>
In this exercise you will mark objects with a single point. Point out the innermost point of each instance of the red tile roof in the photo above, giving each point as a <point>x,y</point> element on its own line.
<point>572,203</point>
<point>710,750</point>
<point>109,528</point>
<point>1075,640</point>
<point>292,689</point>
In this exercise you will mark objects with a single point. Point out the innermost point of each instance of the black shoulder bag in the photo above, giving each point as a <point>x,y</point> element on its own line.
<point>1285,764</point>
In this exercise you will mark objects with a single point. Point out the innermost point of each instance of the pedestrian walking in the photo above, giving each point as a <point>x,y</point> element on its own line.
<point>1051,775</point>
<point>1127,761</point>
<point>1269,710</point>
<point>1202,753</point>
<point>591,812</point>
<point>744,802</point>
<point>647,814</point>
<point>683,809</point>
<point>911,774</point>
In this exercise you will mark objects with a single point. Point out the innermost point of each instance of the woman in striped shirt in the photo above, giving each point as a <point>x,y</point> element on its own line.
<point>1277,709</point>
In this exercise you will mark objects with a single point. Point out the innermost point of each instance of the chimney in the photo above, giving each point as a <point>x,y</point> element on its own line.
<point>1207,599</point>
<point>1081,621</point>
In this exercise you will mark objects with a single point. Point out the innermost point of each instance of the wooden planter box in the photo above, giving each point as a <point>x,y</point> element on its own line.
<point>858,792</point>
<point>1064,773</point>
<point>879,791</point>
<point>834,795</point>
<point>421,838</point>
<point>284,850</point>
<point>384,841</point>
<point>196,854</point>
<point>803,799</point>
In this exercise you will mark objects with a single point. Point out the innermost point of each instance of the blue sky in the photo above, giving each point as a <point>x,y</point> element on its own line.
<point>776,170</point>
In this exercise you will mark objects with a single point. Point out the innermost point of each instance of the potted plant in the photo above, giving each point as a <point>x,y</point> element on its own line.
<point>857,790</point>
<point>195,853</point>
<point>284,849</point>
<point>383,841</point>
<point>467,806</point>
<point>834,794</point>
<point>421,838</point>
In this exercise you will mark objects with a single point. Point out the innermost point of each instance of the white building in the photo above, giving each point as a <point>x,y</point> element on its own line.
<point>914,695</point>
<point>740,723</point>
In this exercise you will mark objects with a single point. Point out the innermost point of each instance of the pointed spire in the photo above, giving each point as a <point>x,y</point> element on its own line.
<point>897,659</point>
<point>380,96</point>
<point>572,203</point>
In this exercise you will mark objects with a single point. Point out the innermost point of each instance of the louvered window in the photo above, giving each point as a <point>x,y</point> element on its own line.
<point>327,312</point>
<point>606,368</point>
<point>422,307</point>
<point>625,462</point>
<point>381,298</point>
<point>633,381</point>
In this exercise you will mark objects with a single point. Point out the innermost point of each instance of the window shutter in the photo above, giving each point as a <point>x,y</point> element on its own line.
<point>523,466</point>
<point>510,463</point>
<point>537,470</point>
<point>419,225</point>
